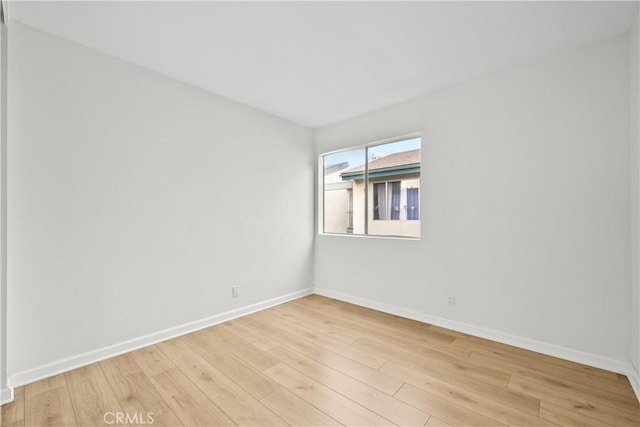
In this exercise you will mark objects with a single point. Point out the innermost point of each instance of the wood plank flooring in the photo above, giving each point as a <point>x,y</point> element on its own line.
<point>321,362</point>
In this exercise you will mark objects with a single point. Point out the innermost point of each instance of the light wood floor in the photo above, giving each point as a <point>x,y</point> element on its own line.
<point>317,361</point>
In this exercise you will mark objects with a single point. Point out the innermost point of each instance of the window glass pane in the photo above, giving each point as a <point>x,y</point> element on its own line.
<point>380,200</point>
<point>344,192</point>
<point>413,201</point>
<point>394,188</point>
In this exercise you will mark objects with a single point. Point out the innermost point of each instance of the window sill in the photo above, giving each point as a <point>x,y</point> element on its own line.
<point>370,236</point>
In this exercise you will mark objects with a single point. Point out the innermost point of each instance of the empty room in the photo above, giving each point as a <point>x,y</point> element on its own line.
<point>318,213</point>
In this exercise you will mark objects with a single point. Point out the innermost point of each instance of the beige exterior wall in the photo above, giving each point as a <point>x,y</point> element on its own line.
<point>336,204</point>
<point>358,207</point>
<point>336,215</point>
<point>384,227</point>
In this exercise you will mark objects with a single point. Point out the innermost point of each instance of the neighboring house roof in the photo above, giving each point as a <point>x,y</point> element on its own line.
<point>394,164</point>
<point>329,169</point>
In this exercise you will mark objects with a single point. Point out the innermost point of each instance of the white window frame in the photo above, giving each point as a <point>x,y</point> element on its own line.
<point>321,190</point>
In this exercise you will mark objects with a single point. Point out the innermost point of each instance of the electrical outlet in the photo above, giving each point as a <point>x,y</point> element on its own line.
<point>235,291</point>
<point>451,302</point>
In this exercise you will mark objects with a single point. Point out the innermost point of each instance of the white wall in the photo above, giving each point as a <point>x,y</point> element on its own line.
<point>5,393</point>
<point>136,202</point>
<point>524,209</point>
<point>634,130</point>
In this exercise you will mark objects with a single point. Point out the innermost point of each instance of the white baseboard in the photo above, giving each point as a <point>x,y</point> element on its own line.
<point>526,343</point>
<point>73,362</point>
<point>634,379</point>
<point>6,395</point>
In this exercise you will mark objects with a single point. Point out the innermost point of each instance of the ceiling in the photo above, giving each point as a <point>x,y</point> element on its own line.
<point>318,63</point>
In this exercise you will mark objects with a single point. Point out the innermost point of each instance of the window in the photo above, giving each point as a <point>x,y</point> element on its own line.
<point>395,201</point>
<point>373,190</point>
